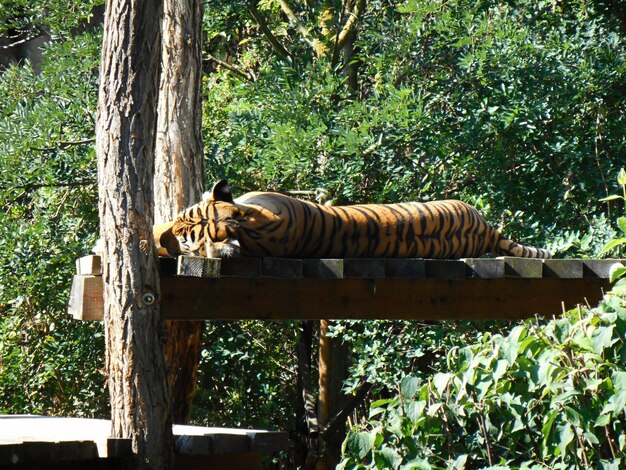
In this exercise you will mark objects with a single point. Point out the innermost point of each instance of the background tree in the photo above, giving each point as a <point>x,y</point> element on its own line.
<point>179,171</point>
<point>125,139</point>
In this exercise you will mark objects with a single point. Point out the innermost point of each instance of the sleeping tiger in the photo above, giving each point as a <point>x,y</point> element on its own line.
<point>272,224</point>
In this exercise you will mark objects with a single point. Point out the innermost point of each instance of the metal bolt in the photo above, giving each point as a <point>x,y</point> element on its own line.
<point>149,298</point>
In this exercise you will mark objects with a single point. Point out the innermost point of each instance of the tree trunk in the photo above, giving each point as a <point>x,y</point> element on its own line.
<point>125,137</point>
<point>179,172</point>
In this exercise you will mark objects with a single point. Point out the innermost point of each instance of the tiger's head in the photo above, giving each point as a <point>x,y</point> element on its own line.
<point>206,229</point>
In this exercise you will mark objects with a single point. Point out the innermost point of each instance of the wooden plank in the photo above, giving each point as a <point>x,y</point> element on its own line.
<point>563,268</point>
<point>89,265</point>
<point>445,269</point>
<point>198,266</point>
<point>430,299</point>
<point>11,453</point>
<point>214,443</point>
<point>193,444</point>
<point>394,267</point>
<point>364,267</point>
<point>491,268</point>
<point>523,267</point>
<point>406,268</point>
<point>60,451</point>
<point>599,267</point>
<point>234,461</point>
<point>315,299</point>
<point>86,301</point>
<point>168,266</point>
<point>267,442</point>
<point>30,437</point>
<point>281,268</point>
<point>323,268</point>
<point>241,267</point>
<point>83,438</point>
<point>119,447</point>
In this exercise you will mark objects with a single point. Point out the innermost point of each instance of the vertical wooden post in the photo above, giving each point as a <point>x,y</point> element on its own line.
<point>323,403</point>
<point>333,367</point>
<point>125,136</point>
<point>179,172</point>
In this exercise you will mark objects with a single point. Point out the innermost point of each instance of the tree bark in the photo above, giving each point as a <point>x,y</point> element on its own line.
<point>179,172</point>
<point>125,137</point>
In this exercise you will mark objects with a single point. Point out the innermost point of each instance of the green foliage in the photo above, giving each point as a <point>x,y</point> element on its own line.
<point>48,363</point>
<point>29,18</point>
<point>248,375</point>
<point>618,245</point>
<point>549,395</point>
<point>385,351</point>
<point>507,105</point>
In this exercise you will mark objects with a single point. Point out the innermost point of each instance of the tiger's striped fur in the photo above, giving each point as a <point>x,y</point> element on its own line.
<point>272,224</point>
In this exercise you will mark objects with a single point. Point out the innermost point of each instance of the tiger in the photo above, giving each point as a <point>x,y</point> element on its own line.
<point>260,224</point>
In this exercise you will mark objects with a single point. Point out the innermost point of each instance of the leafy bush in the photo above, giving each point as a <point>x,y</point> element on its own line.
<point>48,362</point>
<point>507,105</point>
<point>545,395</point>
<point>618,245</point>
<point>262,392</point>
<point>382,352</point>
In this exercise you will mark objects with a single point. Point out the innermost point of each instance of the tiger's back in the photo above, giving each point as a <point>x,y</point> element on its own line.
<point>439,229</point>
<point>272,224</point>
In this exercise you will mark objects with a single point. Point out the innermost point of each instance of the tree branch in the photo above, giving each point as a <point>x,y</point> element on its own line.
<point>29,37</point>
<point>352,17</point>
<point>318,46</point>
<point>231,67</point>
<point>273,40</point>
<point>31,186</point>
<point>66,144</point>
<point>340,417</point>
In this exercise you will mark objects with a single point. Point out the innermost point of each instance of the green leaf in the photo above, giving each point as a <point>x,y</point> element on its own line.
<point>511,345</point>
<point>602,338</point>
<point>415,410</point>
<point>616,404</point>
<point>441,381</point>
<point>612,244</point>
<point>546,429</point>
<point>610,464</point>
<point>620,287</point>
<point>619,380</point>
<point>602,420</point>
<point>616,271</point>
<point>565,434</point>
<point>387,458</point>
<point>409,386</point>
<point>416,464</point>
<point>461,461</point>
<point>359,443</point>
<point>621,223</point>
<point>612,197</point>
<point>383,402</point>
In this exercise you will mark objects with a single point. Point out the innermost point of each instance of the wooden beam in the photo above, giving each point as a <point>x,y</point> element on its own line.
<point>30,437</point>
<point>508,298</point>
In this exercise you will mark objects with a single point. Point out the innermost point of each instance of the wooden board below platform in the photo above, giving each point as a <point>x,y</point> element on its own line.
<point>191,298</point>
<point>31,438</point>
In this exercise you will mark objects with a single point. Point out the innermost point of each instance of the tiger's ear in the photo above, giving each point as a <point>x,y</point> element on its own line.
<point>221,191</point>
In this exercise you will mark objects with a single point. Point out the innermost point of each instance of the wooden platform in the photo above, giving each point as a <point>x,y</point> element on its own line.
<point>29,440</point>
<point>281,289</point>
